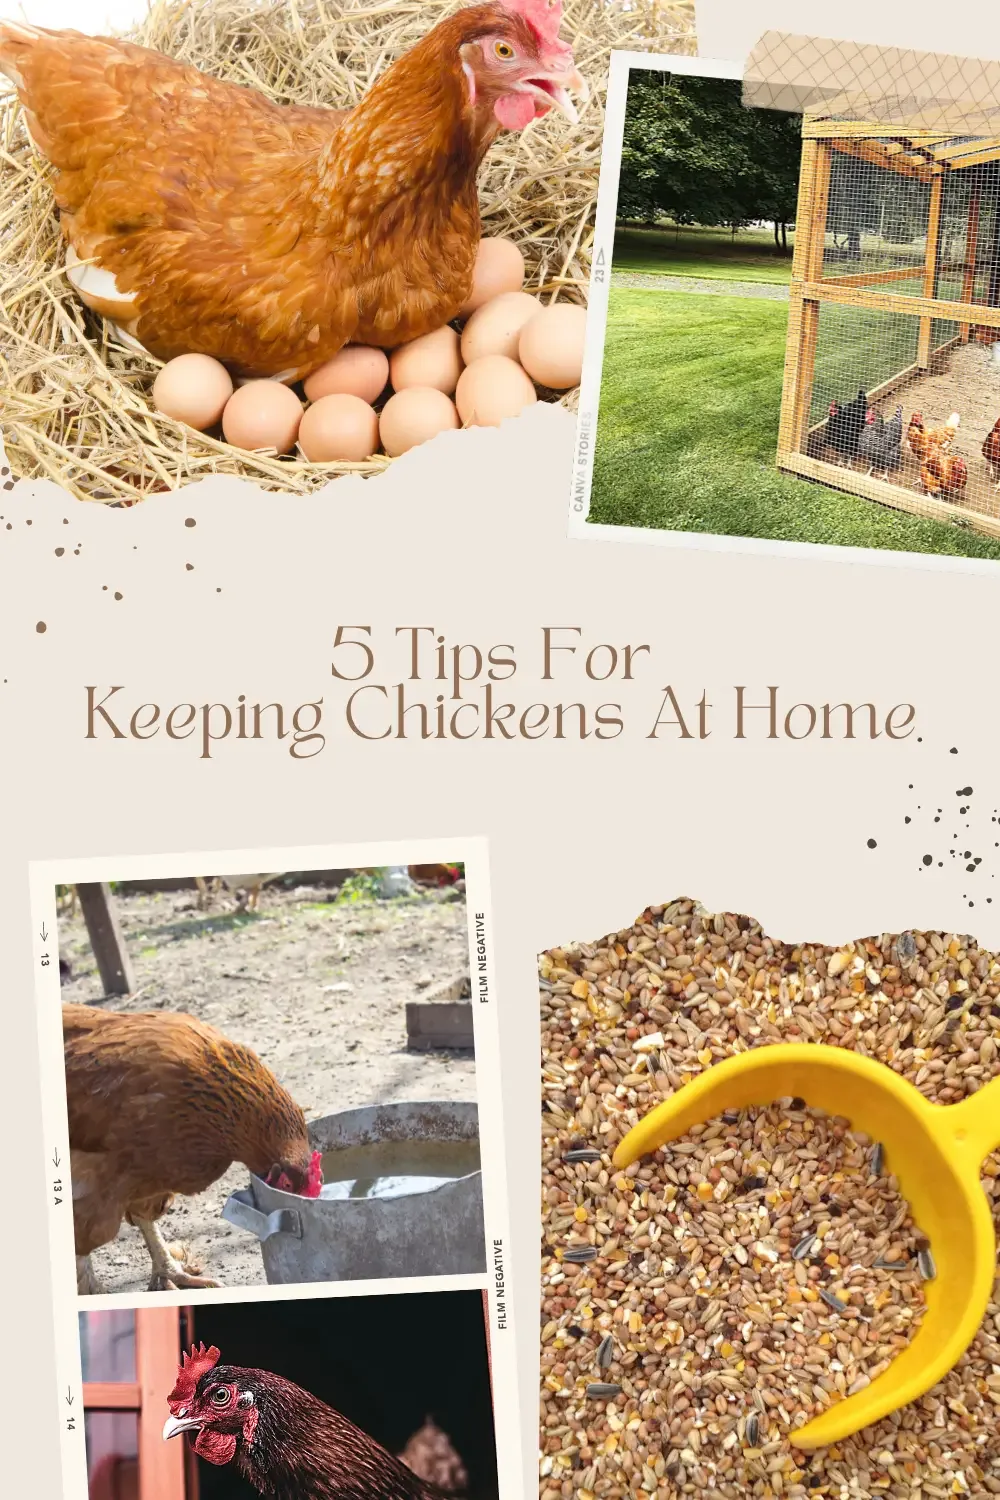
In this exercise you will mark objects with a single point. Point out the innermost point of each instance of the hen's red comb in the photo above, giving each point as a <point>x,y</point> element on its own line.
<point>193,1367</point>
<point>543,16</point>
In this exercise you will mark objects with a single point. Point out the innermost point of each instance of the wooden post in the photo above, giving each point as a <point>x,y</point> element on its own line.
<point>930,269</point>
<point>104,931</point>
<point>803,313</point>
<point>971,251</point>
<point>161,1465</point>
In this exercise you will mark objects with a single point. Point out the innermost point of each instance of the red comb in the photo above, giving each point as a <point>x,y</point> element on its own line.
<point>314,1181</point>
<point>543,16</point>
<point>193,1367</point>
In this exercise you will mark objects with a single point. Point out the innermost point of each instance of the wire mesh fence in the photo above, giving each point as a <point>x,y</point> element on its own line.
<point>897,338</point>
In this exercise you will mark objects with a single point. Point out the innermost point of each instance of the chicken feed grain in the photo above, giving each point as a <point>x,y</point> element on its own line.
<point>700,1305</point>
<point>74,404</point>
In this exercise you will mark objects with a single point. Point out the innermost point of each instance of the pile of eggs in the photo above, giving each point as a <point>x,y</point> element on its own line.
<point>510,343</point>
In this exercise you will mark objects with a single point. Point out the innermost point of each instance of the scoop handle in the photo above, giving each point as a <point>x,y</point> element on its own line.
<point>975,1123</point>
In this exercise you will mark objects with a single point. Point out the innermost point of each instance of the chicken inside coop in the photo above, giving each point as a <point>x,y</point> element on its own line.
<point>898,379</point>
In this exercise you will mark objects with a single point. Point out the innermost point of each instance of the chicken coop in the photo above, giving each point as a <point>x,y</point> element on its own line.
<point>896,293</point>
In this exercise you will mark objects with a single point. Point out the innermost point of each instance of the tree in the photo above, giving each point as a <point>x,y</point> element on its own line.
<point>693,152</point>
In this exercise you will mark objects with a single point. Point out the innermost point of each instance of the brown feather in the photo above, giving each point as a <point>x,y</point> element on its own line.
<point>265,235</point>
<point>159,1103</point>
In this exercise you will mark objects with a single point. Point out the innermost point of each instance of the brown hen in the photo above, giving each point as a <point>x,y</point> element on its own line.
<point>159,1104</point>
<point>215,221</point>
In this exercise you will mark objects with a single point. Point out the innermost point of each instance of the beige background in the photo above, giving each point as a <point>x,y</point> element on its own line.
<point>469,535</point>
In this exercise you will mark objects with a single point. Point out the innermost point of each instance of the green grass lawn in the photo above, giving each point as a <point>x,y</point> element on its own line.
<point>688,428</point>
<point>695,251</point>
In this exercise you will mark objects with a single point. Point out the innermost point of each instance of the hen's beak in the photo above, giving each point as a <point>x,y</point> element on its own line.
<point>555,88</point>
<point>173,1425</point>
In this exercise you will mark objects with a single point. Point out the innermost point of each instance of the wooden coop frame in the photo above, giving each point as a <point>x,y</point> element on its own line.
<point>928,156</point>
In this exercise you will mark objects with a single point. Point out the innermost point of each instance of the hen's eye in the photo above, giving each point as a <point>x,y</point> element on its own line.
<point>220,1396</point>
<point>503,50</point>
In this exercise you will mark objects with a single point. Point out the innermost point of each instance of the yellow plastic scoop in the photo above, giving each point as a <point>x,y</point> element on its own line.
<point>934,1150</point>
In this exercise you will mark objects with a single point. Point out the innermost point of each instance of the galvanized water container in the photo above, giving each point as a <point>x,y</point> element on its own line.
<point>439,1232</point>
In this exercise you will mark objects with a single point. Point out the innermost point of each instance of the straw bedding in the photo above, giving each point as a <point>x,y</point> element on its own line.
<point>74,404</point>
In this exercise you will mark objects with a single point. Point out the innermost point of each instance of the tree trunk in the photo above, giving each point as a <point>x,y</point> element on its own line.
<point>784,238</point>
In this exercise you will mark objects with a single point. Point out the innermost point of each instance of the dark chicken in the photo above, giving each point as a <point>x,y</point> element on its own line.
<point>881,442</point>
<point>845,424</point>
<point>285,1442</point>
<point>159,1103</point>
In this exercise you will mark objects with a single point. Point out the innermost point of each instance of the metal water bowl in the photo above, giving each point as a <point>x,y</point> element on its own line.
<point>439,1232</point>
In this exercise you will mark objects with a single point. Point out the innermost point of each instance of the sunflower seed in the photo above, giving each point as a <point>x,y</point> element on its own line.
<point>926,1266</point>
<point>751,1431</point>
<point>833,1301</point>
<point>877,1159</point>
<point>598,1391</point>
<point>582,1153</point>
<point>605,1352</point>
<point>578,1255</point>
<point>805,1247</point>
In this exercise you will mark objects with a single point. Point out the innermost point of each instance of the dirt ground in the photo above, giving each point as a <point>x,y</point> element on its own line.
<point>967,382</point>
<point>315,987</point>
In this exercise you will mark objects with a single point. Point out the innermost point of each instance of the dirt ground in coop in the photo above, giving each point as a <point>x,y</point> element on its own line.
<point>963,379</point>
<point>317,988</point>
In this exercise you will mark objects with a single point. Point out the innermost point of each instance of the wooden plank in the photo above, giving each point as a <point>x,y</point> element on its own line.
<point>894,302</point>
<point>812,257</point>
<point>112,1395</point>
<point>870,151</point>
<point>909,500</point>
<point>435,1024</point>
<point>981,158</point>
<point>801,266</point>
<point>881,278</point>
<point>930,269</point>
<point>841,130</point>
<point>952,152</point>
<point>157,1340</point>
<point>104,930</point>
<point>971,251</point>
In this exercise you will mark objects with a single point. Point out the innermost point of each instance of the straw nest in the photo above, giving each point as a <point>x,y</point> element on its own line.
<point>74,405</point>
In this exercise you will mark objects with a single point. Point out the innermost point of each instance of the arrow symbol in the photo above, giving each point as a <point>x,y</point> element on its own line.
<point>69,1395</point>
<point>44,934</point>
<point>56,1158</point>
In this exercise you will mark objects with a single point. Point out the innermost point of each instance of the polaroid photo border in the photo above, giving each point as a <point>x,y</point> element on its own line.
<point>494,1283</point>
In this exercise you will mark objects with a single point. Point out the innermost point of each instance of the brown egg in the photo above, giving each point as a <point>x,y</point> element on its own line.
<point>339,428</point>
<point>356,371</point>
<point>496,327</point>
<point>262,414</point>
<point>193,388</point>
<point>413,416</point>
<point>499,268</point>
<point>491,389</point>
<point>551,345</point>
<point>433,360</point>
